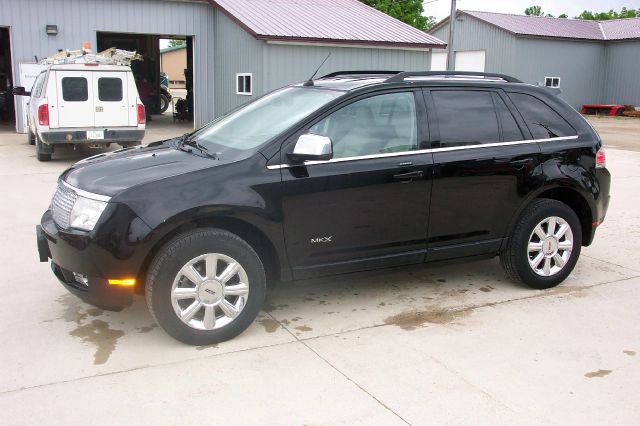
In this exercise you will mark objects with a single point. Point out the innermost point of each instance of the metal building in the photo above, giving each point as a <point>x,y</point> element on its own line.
<point>238,49</point>
<point>590,61</point>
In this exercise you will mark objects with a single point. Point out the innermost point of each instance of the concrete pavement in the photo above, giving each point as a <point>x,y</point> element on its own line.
<point>422,345</point>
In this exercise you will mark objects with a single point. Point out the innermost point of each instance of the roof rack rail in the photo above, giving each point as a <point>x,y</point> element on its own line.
<point>400,77</point>
<point>361,72</point>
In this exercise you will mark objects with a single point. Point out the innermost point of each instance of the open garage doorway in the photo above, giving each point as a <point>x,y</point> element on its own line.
<point>163,110</point>
<point>7,115</point>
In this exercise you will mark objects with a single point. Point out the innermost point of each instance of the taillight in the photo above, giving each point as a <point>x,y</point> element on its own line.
<point>601,159</point>
<point>43,115</point>
<point>142,116</point>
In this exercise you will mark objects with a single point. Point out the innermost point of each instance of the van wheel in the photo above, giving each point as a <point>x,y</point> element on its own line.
<point>31,139</point>
<point>164,103</point>
<point>545,245</point>
<point>43,153</point>
<point>205,286</point>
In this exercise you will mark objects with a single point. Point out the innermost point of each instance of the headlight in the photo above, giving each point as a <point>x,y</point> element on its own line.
<point>85,213</point>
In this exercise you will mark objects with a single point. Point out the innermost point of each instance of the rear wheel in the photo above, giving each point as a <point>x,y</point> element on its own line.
<point>164,102</point>
<point>31,139</point>
<point>205,286</point>
<point>545,245</point>
<point>43,152</point>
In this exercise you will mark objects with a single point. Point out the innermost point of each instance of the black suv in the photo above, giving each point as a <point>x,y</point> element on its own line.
<point>349,172</point>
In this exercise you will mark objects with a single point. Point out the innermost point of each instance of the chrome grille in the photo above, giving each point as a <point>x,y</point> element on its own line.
<point>61,205</point>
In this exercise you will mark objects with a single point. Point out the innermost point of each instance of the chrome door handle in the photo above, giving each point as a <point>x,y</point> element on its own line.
<point>409,176</point>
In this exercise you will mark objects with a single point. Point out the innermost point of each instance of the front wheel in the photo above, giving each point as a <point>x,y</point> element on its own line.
<point>545,245</point>
<point>205,286</point>
<point>165,100</point>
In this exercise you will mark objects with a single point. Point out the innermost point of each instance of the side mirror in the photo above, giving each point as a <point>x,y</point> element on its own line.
<point>312,148</point>
<point>19,91</point>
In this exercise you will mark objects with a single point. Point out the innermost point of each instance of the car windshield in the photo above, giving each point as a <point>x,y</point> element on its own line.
<point>256,123</point>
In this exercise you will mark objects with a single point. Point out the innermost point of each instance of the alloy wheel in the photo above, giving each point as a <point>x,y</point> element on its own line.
<point>550,246</point>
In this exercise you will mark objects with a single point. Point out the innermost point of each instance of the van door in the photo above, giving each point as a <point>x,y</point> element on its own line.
<point>110,99</point>
<point>75,100</point>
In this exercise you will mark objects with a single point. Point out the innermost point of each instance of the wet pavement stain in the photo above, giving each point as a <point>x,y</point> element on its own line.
<point>412,320</point>
<point>146,328</point>
<point>202,348</point>
<point>98,333</point>
<point>269,324</point>
<point>303,328</point>
<point>599,373</point>
<point>486,289</point>
<point>630,353</point>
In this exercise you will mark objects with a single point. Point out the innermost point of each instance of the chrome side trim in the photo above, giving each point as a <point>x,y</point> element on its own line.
<point>423,151</point>
<point>87,194</point>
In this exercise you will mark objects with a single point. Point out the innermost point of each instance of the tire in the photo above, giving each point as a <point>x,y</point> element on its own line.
<point>164,103</point>
<point>30,137</point>
<point>42,153</point>
<point>166,278</point>
<point>517,259</point>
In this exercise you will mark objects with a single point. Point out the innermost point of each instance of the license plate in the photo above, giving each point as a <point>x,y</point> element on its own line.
<point>95,134</point>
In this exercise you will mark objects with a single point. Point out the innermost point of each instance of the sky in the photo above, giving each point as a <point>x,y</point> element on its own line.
<point>440,8</point>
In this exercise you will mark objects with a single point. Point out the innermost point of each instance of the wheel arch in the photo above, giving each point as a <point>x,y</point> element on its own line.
<point>569,196</point>
<point>256,238</point>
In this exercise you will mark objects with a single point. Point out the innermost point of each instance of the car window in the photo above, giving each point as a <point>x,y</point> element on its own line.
<point>466,117</point>
<point>74,89</point>
<point>110,89</point>
<point>543,121</point>
<point>379,124</point>
<point>508,125</point>
<point>38,85</point>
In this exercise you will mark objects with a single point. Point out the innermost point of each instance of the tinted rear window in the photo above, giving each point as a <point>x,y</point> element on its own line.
<point>541,119</point>
<point>510,130</point>
<point>110,89</point>
<point>74,89</point>
<point>466,117</point>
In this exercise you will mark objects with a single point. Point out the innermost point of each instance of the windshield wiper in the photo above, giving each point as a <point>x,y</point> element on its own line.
<point>551,133</point>
<point>186,141</point>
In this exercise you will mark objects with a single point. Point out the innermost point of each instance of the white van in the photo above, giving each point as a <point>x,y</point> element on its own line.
<point>92,104</point>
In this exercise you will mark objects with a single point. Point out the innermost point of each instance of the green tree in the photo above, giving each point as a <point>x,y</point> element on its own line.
<point>534,11</point>
<point>611,14</point>
<point>408,11</point>
<point>174,43</point>
<point>563,16</point>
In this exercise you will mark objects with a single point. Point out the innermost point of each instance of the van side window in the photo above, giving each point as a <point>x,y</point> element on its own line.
<point>543,121</point>
<point>379,124</point>
<point>510,130</point>
<point>466,117</point>
<point>110,89</point>
<point>74,89</point>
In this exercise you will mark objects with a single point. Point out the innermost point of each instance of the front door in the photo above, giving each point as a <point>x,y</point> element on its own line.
<point>75,99</point>
<point>367,207</point>
<point>110,99</point>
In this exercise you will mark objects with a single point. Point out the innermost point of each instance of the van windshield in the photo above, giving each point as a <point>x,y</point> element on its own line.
<point>256,123</point>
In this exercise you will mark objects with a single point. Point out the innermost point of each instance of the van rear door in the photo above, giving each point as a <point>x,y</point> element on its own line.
<point>110,99</point>
<point>75,99</point>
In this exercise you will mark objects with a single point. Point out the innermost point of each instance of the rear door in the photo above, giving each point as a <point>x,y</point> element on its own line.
<point>110,99</point>
<point>75,99</point>
<point>484,168</point>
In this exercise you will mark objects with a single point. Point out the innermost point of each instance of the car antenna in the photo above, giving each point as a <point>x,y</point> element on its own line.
<point>309,82</point>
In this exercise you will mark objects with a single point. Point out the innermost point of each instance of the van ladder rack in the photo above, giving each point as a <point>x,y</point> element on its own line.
<point>402,76</point>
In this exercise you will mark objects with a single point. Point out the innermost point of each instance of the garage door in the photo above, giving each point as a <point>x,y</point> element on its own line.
<point>438,61</point>
<point>470,60</point>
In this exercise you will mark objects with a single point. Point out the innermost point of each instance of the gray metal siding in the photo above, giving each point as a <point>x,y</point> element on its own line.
<point>622,74</point>
<point>285,63</point>
<point>237,52</point>
<point>579,64</point>
<point>80,20</point>
<point>473,34</point>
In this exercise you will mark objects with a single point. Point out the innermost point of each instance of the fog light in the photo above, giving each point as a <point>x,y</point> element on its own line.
<point>81,279</point>
<point>127,282</point>
<point>69,136</point>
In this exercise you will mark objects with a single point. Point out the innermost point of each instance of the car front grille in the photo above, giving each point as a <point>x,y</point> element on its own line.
<point>61,205</point>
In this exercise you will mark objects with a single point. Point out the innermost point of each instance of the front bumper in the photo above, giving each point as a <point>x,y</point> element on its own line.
<point>96,257</point>
<point>58,136</point>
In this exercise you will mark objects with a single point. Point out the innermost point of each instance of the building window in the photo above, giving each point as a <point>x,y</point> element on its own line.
<point>243,84</point>
<point>552,81</point>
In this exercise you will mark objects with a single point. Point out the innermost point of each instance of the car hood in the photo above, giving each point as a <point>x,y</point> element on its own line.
<point>113,172</point>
